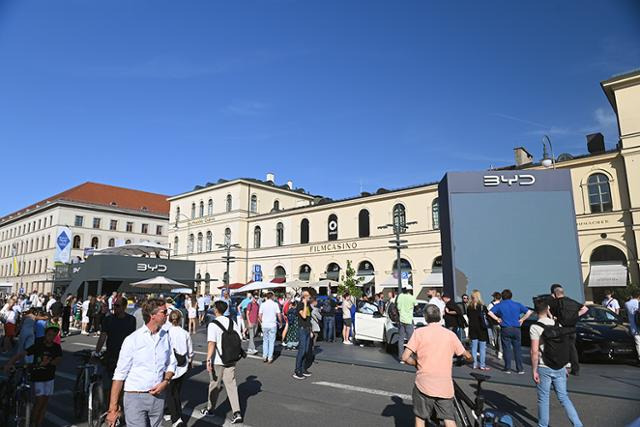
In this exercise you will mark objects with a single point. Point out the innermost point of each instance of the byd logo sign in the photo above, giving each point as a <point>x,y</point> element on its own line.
<point>160,268</point>
<point>496,180</point>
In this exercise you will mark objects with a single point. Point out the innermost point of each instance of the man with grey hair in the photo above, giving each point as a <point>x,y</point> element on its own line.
<point>567,312</point>
<point>430,350</point>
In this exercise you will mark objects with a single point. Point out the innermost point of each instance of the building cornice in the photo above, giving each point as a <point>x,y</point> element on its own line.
<point>265,186</point>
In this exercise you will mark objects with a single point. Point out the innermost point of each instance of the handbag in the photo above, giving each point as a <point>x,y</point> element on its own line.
<point>180,358</point>
<point>484,318</point>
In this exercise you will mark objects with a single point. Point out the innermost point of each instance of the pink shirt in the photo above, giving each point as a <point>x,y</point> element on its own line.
<point>434,347</point>
<point>252,312</point>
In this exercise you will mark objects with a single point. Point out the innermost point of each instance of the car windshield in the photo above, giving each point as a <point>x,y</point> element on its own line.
<point>418,310</point>
<point>600,314</point>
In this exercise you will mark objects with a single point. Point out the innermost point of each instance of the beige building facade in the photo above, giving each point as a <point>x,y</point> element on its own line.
<point>287,234</point>
<point>98,216</point>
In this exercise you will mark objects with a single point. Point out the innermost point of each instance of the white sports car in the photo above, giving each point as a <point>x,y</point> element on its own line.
<point>379,328</point>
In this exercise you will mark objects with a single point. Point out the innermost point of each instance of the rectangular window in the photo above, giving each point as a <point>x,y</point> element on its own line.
<point>129,227</point>
<point>96,222</point>
<point>159,230</point>
<point>144,229</point>
<point>113,225</point>
<point>79,220</point>
<point>39,224</point>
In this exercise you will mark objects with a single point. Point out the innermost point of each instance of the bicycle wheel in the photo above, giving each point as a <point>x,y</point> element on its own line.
<point>23,408</point>
<point>79,397</point>
<point>97,404</point>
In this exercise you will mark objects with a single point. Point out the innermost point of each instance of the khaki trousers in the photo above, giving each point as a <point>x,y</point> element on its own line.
<point>226,374</point>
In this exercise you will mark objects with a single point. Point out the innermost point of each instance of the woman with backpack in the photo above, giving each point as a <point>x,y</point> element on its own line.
<point>478,329</point>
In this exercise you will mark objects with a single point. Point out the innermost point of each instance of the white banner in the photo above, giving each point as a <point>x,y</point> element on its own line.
<point>63,245</point>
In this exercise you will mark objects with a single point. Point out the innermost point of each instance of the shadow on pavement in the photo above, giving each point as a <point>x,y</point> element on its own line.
<point>402,413</point>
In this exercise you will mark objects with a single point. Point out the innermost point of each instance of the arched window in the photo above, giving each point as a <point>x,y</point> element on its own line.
<point>190,244</point>
<point>305,272</point>
<point>435,214</point>
<point>257,236</point>
<point>112,242</point>
<point>363,223</point>
<point>209,241</point>
<point>76,242</point>
<point>177,215</point>
<point>332,227</point>
<point>276,206</point>
<point>227,236</point>
<point>199,242</point>
<point>405,269</point>
<point>193,210</point>
<point>304,231</point>
<point>229,202</point>
<point>437,264</point>
<point>280,273</point>
<point>210,207</point>
<point>599,193</point>
<point>365,268</point>
<point>279,234</point>
<point>253,206</point>
<point>175,245</point>
<point>333,271</point>
<point>201,213</point>
<point>94,243</point>
<point>399,218</point>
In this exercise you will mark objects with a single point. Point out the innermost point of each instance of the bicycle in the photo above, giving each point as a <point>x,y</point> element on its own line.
<point>16,398</point>
<point>481,417</point>
<point>88,394</point>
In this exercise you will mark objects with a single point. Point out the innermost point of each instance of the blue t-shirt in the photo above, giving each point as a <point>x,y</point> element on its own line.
<point>39,328</point>
<point>509,311</point>
<point>245,302</point>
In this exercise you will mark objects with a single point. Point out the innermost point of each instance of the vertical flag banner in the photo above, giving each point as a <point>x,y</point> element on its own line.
<point>63,245</point>
<point>14,254</point>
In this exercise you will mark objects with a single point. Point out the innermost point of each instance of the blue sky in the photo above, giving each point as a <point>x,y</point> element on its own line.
<point>335,95</point>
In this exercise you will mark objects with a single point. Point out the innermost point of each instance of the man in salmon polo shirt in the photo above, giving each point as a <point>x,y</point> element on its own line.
<point>431,350</point>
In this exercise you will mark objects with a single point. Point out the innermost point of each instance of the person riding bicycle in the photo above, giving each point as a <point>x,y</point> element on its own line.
<point>115,328</point>
<point>47,356</point>
<point>431,349</point>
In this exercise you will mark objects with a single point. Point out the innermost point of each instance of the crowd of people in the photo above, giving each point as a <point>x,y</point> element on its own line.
<point>147,353</point>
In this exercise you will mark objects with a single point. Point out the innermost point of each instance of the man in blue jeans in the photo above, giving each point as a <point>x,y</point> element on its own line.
<point>545,375</point>
<point>304,337</point>
<point>328,312</point>
<point>507,314</point>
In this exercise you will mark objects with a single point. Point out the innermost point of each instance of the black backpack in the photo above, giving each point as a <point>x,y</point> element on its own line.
<point>56,309</point>
<point>557,345</point>
<point>393,313</point>
<point>231,345</point>
<point>567,316</point>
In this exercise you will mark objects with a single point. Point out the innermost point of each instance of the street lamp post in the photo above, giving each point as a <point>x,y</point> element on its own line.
<point>398,244</point>
<point>228,258</point>
<point>546,161</point>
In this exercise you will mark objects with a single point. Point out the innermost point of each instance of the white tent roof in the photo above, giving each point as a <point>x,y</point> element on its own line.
<point>133,249</point>
<point>159,283</point>
<point>324,282</point>
<point>433,280</point>
<point>256,286</point>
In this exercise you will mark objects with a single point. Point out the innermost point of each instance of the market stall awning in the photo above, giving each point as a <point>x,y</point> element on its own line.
<point>158,283</point>
<point>433,280</point>
<point>604,275</point>
<point>279,280</point>
<point>232,286</point>
<point>256,286</point>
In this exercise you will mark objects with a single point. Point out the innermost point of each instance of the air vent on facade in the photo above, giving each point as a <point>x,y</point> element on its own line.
<point>364,194</point>
<point>114,203</point>
<point>382,191</point>
<point>144,209</point>
<point>564,157</point>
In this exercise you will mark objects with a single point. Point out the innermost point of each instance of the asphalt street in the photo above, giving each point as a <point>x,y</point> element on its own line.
<point>376,394</point>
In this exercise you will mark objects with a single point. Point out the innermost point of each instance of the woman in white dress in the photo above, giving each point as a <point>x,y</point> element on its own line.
<point>192,312</point>
<point>182,348</point>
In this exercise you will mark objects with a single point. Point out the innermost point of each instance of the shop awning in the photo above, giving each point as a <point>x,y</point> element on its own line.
<point>279,280</point>
<point>604,275</point>
<point>433,280</point>
<point>366,280</point>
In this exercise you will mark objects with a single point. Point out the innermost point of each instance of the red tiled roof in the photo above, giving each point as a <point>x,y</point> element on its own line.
<point>106,195</point>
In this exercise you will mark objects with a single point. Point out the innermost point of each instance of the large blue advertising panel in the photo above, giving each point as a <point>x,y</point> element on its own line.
<point>509,229</point>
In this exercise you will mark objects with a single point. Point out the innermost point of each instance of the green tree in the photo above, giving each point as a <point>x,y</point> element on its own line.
<point>350,282</point>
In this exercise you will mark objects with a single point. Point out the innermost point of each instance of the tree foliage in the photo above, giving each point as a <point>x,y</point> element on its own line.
<point>350,282</point>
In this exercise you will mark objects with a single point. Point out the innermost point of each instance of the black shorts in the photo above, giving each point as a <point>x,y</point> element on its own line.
<point>424,406</point>
<point>347,322</point>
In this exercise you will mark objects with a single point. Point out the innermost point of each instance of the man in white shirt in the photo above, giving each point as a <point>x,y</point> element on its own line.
<point>85,316</point>
<point>217,369</point>
<point>610,302</point>
<point>145,366</point>
<point>111,299</point>
<point>437,301</point>
<point>52,299</point>
<point>269,314</point>
<point>201,309</point>
<point>34,299</point>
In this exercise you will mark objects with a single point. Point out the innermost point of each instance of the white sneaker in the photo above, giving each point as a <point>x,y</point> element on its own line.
<point>167,417</point>
<point>500,355</point>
